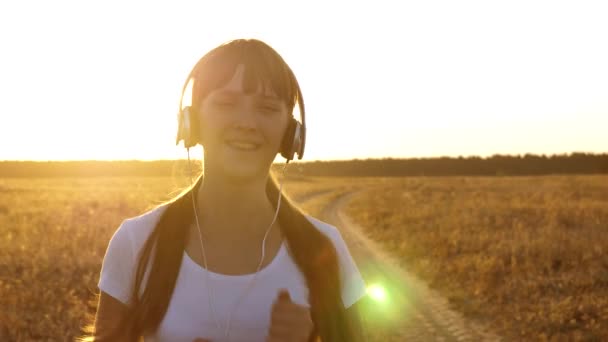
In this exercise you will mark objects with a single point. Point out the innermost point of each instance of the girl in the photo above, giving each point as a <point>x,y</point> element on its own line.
<point>227,260</point>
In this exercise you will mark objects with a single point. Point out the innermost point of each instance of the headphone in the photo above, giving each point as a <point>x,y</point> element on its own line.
<point>293,140</point>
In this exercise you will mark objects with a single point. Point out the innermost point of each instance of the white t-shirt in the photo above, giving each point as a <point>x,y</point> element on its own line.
<point>188,315</point>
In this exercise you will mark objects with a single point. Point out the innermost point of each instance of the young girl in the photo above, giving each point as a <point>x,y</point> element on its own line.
<point>228,260</point>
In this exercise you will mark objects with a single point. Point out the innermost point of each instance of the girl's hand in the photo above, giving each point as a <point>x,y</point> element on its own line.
<point>289,322</point>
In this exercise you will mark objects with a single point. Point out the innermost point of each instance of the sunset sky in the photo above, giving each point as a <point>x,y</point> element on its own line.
<point>101,80</point>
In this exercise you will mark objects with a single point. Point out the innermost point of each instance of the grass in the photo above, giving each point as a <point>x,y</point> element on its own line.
<point>53,236</point>
<point>526,254</point>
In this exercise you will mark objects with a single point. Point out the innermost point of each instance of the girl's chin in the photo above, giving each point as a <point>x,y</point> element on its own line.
<point>244,168</point>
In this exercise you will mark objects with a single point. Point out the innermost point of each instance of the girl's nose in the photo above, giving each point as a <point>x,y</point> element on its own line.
<point>246,118</point>
<point>244,122</point>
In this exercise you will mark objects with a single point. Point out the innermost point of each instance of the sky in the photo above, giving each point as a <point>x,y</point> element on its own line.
<point>102,79</point>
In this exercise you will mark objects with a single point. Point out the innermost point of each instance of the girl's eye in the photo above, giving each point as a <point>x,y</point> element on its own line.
<point>268,108</point>
<point>271,109</point>
<point>224,103</point>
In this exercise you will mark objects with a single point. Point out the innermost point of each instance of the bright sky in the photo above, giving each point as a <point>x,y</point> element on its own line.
<point>101,80</point>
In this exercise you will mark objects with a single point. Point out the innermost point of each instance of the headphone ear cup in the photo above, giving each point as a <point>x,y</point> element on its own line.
<point>187,127</point>
<point>292,140</point>
<point>195,128</point>
<point>182,124</point>
<point>287,142</point>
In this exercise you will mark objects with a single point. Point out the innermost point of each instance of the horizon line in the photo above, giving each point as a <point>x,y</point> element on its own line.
<point>564,154</point>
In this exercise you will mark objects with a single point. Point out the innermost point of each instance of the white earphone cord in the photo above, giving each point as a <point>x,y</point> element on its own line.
<point>210,296</point>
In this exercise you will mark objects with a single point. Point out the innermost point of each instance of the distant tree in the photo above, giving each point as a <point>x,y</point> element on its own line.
<point>496,165</point>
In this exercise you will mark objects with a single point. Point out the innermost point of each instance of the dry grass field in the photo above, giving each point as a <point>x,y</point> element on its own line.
<point>53,235</point>
<point>526,254</point>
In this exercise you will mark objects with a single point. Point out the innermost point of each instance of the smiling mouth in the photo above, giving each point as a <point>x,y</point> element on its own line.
<point>243,145</point>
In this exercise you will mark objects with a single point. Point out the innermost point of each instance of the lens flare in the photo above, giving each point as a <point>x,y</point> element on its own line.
<point>377,293</point>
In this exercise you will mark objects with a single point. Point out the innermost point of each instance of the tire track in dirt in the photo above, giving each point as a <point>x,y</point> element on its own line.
<point>412,311</point>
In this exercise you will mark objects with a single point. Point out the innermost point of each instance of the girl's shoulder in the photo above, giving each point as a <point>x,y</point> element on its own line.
<point>323,226</point>
<point>120,260</point>
<point>145,220</point>
<point>332,232</point>
<point>138,228</point>
<point>353,285</point>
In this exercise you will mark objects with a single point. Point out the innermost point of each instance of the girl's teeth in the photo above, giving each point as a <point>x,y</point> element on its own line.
<point>244,146</point>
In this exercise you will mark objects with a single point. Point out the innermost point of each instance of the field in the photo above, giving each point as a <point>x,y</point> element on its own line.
<point>525,254</point>
<point>53,235</point>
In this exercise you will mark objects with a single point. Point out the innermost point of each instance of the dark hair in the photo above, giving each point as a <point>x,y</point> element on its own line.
<point>264,67</point>
<point>311,250</point>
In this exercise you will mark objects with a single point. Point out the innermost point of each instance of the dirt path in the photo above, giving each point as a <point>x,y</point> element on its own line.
<point>411,311</point>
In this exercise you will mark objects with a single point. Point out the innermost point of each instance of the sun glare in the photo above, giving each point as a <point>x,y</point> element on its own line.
<point>377,293</point>
<point>436,92</point>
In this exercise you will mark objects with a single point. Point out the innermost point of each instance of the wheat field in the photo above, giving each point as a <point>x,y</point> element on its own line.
<point>53,236</point>
<point>525,254</point>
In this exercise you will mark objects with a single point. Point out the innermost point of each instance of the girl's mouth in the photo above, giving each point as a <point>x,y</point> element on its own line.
<point>243,145</point>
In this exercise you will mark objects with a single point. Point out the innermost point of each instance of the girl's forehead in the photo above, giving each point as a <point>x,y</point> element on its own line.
<point>240,85</point>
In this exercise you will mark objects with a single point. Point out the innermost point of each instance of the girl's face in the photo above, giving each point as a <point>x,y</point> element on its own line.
<point>242,131</point>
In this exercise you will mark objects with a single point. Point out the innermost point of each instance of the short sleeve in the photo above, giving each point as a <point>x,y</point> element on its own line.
<point>116,278</point>
<point>353,285</point>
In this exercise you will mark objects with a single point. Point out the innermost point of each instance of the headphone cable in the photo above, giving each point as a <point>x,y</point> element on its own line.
<point>263,252</point>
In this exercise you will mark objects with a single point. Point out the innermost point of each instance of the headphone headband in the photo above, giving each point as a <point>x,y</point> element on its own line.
<point>293,141</point>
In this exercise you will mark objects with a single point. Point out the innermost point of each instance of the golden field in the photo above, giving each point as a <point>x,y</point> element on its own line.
<point>53,236</point>
<point>526,254</point>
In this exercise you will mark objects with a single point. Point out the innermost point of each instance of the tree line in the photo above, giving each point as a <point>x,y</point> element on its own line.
<point>497,165</point>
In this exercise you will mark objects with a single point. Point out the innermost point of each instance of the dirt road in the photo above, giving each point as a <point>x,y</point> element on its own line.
<point>410,310</point>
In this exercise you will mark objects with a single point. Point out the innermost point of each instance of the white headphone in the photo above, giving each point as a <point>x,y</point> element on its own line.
<point>293,142</point>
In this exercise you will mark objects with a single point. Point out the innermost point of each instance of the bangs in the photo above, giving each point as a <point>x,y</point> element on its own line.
<point>264,68</point>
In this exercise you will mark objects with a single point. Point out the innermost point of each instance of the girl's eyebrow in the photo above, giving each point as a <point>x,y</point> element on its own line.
<point>227,93</point>
<point>230,93</point>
